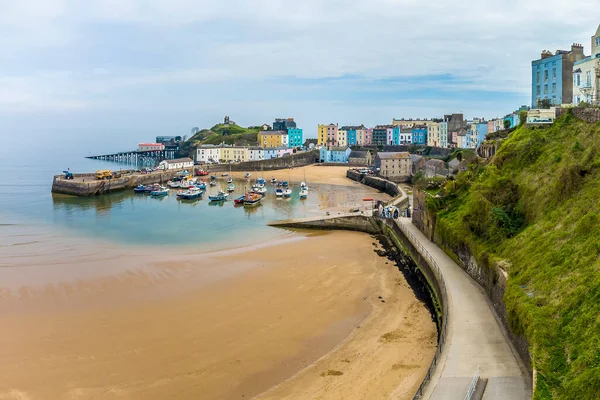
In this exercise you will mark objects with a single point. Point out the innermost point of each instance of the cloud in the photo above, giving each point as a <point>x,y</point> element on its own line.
<point>284,55</point>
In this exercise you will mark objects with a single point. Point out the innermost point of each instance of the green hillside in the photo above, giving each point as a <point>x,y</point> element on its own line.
<point>536,208</point>
<point>230,134</point>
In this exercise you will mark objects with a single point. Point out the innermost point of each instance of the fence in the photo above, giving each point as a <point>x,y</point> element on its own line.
<point>442,298</point>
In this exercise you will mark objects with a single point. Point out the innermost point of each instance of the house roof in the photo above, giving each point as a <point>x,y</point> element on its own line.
<point>416,158</point>
<point>393,155</point>
<point>358,154</point>
<point>336,148</point>
<point>255,148</point>
<point>179,160</point>
<point>454,162</point>
<point>273,133</point>
<point>436,163</point>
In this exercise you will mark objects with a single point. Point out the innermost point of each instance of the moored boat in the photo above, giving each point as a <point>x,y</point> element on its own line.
<point>239,200</point>
<point>278,192</point>
<point>201,172</point>
<point>191,193</point>
<point>151,188</point>
<point>213,177</point>
<point>273,180</point>
<point>140,189</point>
<point>260,190</point>
<point>287,192</point>
<point>230,180</point>
<point>174,184</point>
<point>200,185</point>
<point>247,175</point>
<point>260,181</point>
<point>302,184</point>
<point>213,183</point>
<point>219,196</point>
<point>231,187</point>
<point>251,199</point>
<point>284,183</point>
<point>160,192</point>
<point>303,192</point>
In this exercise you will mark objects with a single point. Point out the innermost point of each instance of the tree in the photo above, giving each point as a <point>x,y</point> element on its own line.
<point>506,124</point>
<point>544,104</point>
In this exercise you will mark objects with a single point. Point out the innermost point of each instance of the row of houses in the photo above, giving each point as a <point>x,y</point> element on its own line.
<point>212,154</point>
<point>567,76</point>
<point>285,133</point>
<point>451,131</point>
<point>401,166</point>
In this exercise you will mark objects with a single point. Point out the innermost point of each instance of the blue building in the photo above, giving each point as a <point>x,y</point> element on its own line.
<point>396,135</point>
<point>552,76</point>
<point>481,131</point>
<point>271,152</point>
<point>351,136</point>
<point>334,154</point>
<point>419,135</point>
<point>295,137</point>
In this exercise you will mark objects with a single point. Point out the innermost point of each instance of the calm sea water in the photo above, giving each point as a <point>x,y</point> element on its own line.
<point>27,208</point>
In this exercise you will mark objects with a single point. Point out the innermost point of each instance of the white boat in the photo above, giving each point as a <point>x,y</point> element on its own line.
<point>302,184</point>
<point>287,192</point>
<point>278,192</point>
<point>303,192</point>
<point>192,193</point>
<point>260,189</point>
<point>231,187</point>
<point>230,180</point>
<point>213,183</point>
<point>173,184</point>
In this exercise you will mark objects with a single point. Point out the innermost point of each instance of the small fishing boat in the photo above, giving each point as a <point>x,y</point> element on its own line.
<point>201,172</point>
<point>213,183</point>
<point>174,184</point>
<point>247,175</point>
<point>284,183</point>
<point>302,184</point>
<point>303,192</point>
<point>192,193</point>
<point>225,174</point>
<point>273,180</point>
<point>278,192</point>
<point>239,200</point>
<point>213,177</point>
<point>140,189</point>
<point>231,187</point>
<point>230,180</point>
<point>153,187</point>
<point>260,181</point>
<point>260,190</point>
<point>287,192</point>
<point>251,199</point>
<point>160,192</point>
<point>200,185</point>
<point>221,196</point>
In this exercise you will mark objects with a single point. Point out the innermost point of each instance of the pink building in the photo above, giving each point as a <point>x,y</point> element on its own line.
<point>491,126</point>
<point>454,139</point>
<point>368,136</point>
<point>332,134</point>
<point>150,146</point>
<point>281,151</point>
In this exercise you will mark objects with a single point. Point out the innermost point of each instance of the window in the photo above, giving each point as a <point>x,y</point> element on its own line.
<point>578,80</point>
<point>588,78</point>
<point>554,88</point>
<point>598,41</point>
<point>538,91</point>
<point>545,89</point>
<point>553,73</point>
<point>546,75</point>
<point>538,67</point>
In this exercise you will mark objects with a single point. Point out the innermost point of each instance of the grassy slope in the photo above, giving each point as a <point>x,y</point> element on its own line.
<point>232,134</point>
<point>536,206</point>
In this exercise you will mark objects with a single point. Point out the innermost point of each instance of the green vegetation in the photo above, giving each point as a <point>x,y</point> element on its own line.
<point>230,134</point>
<point>535,210</point>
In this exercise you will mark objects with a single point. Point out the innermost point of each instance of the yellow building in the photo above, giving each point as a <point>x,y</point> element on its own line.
<point>322,135</point>
<point>271,138</point>
<point>342,138</point>
<point>236,154</point>
<point>433,134</point>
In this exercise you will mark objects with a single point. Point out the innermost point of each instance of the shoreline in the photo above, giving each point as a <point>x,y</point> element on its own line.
<point>294,316</point>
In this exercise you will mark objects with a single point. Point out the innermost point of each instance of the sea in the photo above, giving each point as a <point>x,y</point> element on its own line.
<point>33,218</point>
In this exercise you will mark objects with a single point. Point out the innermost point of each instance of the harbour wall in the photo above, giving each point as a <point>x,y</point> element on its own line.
<point>359,223</point>
<point>491,276</point>
<point>292,161</point>
<point>87,185</point>
<point>382,185</point>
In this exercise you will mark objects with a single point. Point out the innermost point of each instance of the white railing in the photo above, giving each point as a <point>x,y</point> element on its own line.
<point>473,385</point>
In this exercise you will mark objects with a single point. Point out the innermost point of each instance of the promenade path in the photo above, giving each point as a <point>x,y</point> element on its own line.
<point>474,338</point>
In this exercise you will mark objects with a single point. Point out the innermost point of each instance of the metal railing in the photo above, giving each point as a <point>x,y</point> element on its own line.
<point>442,298</point>
<point>473,385</point>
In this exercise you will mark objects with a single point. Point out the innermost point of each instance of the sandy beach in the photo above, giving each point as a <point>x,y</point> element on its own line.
<point>309,315</point>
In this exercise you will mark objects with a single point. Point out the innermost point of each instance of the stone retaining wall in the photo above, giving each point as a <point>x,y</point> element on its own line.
<point>492,278</point>
<point>359,223</point>
<point>292,161</point>
<point>375,182</point>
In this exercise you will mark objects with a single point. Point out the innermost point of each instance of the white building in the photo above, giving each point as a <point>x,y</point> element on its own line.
<point>208,154</point>
<point>256,153</point>
<point>586,75</point>
<point>405,136</point>
<point>150,146</point>
<point>178,163</point>
<point>443,135</point>
<point>285,140</point>
<point>535,116</point>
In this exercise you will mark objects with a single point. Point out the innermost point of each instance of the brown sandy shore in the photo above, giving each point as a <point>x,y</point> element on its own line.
<point>296,318</point>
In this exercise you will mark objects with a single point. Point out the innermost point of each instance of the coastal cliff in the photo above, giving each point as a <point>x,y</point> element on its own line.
<point>526,226</point>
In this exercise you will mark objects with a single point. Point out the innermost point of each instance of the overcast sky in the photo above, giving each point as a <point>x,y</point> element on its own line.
<point>138,68</point>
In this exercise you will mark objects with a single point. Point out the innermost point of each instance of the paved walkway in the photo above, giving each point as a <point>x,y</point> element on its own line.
<point>473,339</point>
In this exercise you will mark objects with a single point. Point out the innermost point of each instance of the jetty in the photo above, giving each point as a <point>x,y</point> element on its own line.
<point>84,185</point>
<point>139,157</point>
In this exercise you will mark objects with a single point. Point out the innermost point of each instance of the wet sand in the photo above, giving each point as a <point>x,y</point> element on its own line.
<point>296,317</point>
<point>333,175</point>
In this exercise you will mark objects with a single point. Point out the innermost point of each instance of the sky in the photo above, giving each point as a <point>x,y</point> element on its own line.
<point>134,69</point>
